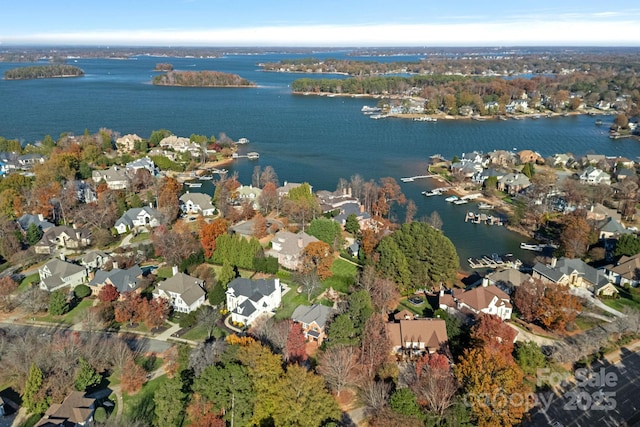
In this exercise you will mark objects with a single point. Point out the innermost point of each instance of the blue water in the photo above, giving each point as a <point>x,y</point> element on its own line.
<point>305,138</point>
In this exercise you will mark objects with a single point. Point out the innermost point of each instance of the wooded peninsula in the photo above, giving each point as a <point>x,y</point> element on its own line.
<point>43,72</point>
<point>201,79</point>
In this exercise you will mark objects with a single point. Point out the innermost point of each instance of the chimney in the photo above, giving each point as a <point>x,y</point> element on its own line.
<point>441,293</point>
<point>174,270</point>
<point>300,242</point>
<point>554,261</point>
<point>62,256</point>
<point>114,263</point>
<point>349,191</point>
<point>74,226</point>
<point>41,217</point>
<point>485,282</point>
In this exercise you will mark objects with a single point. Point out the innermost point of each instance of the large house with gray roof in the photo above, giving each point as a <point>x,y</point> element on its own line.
<point>63,237</point>
<point>186,293</point>
<point>288,247</point>
<point>197,203</point>
<point>123,280</point>
<point>249,299</point>
<point>115,177</point>
<point>57,274</point>
<point>574,273</point>
<point>138,217</point>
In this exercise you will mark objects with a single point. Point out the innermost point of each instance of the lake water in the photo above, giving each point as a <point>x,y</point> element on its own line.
<point>305,138</point>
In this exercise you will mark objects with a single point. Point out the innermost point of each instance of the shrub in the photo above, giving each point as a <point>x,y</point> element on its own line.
<point>82,291</point>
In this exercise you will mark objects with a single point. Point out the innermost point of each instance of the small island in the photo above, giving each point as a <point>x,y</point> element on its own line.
<point>201,79</point>
<point>163,66</point>
<point>43,72</point>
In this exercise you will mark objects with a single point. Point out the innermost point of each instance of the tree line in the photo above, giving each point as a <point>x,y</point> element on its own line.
<point>201,79</point>
<point>43,72</point>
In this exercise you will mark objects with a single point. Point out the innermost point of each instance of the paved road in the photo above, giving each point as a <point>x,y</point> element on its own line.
<point>609,397</point>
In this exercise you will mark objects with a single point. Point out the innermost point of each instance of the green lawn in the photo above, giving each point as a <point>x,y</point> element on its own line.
<point>26,282</point>
<point>344,275</point>
<point>586,322</point>
<point>415,309</point>
<point>627,298</point>
<point>71,317</point>
<point>140,406</point>
<point>140,238</point>
<point>290,301</point>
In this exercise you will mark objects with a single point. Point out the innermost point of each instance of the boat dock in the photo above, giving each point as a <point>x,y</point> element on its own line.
<point>482,218</point>
<point>413,178</point>
<point>495,261</point>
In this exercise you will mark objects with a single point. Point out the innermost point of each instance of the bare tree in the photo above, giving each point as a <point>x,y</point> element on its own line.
<point>208,318</point>
<point>309,281</point>
<point>206,354</point>
<point>374,394</point>
<point>339,367</point>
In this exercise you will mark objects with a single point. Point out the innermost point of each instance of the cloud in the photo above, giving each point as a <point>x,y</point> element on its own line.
<point>559,31</point>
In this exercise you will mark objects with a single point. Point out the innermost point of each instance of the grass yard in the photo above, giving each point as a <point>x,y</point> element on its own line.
<point>26,282</point>
<point>290,301</point>
<point>71,316</point>
<point>344,275</point>
<point>140,238</point>
<point>627,298</point>
<point>586,322</point>
<point>141,406</point>
<point>415,309</point>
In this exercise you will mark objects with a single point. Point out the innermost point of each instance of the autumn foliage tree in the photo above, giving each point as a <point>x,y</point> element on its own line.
<point>433,382</point>
<point>317,256</point>
<point>209,232</point>
<point>576,234</point>
<point>494,335</point>
<point>132,377</point>
<point>108,294</point>
<point>550,305</point>
<point>7,287</point>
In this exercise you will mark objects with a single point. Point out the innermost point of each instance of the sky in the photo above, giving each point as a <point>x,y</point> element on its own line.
<point>321,23</point>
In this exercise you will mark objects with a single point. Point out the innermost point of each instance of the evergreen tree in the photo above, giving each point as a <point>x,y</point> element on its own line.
<point>31,398</point>
<point>34,234</point>
<point>86,375</point>
<point>352,225</point>
<point>58,303</point>
<point>169,403</point>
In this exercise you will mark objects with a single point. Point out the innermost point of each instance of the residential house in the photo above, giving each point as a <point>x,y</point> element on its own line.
<point>115,177</point>
<point>364,218</point>
<point>127,143</point>
<point>288,247</point>
<point>594,159</point>
<point>502,158</point>
<point>197,203</point>
<point>561,159</point>
<point>138,217</point>
<point>94,259</point>
<point>594,176</point>
<point>331,201</point>
<point>624,173</point>
<point>466,169</point>
<point>517,106</point>
<point>57,274</point>
<point>249,193</point>
<point>492,107</point>
<point>248,299</point>
<point>617,161</point>
<point>481,177</point>
<point>602,105</point>
<point>625,271</point>
<point>144,163</point>
<point>574,273</point>
<point>288,186</point>
<point>84,191</point>
<point>418,335</point>
<point>27,161</point>
<point>507,280</point>
<point>486,299</point>
<point>527,156</point>
<point>76,410</point>
<point>181,145</point>
<point>186,293</point>
<point>123,280</point>
<point>313,320</point>
<point>8,162</point>
<point>513,182</point>
<point>25,221</point>
<point>611,228</point>
<point>62,237</point>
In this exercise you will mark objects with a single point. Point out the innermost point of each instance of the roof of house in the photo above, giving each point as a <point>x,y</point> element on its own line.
<point>128,217</point>
<point>432,332</point>
<point>91,256</point>
<point>248,288</point>
<point>515,179</point>
<point>480,297</point>
<point>201,199</point>
<point>511,276</point>
<point>52,233</point>
<point>114,173</point>
<point>611,225</point>
<point>317,313</point>
<point>189,288</point>
<point>291,243</point>
<point>122,280</point>
<point>566,266</point>
<point>627,267</point>
<point>63,268</point>
<point>27,219</point>
<point>75,409</point>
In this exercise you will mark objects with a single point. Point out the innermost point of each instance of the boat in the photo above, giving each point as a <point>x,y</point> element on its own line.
<point>598,122</point>
<point>494,261</point>
<point>253,155</point>
<point>460,201</point>
<point>531,247</point>
<point>205,177</point>
<point>378,116</point>
<point>406,179</point>
<point>432,193</point>
<point>425,119</point>
<point>367,109</point>
<point>485,206</point>
<point>243,141</point>
<point>451,199</point>
<point>194,184</point>
<point>472,196</point>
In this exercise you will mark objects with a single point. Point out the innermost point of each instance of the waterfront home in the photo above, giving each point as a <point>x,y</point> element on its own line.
<point>517,106</point>
<point>288,186</point>
<point>249,299</point>
<point>138,217</point>
<point>181,145</point>
<point>513,182</point>
<point>332,200</point>
<point>313,320</point>
<point>27,161</point>
<point>417,336</point>
<point>127,143</point>
<point>123,280</point>
<point>249,193</point>
<point>184,292</point>
<point>624,173</point>
<point>481,177</point>
<point>574,273</point>
<point>76,410</point>
<point>562,159</point>
<point>486,298</point>
<point>364,218</point>
<point>507,280</point>
<point>197,203</point>
<point>503,158</point>
<point>115,177</point>
<point>288,248</point>
<point>62,237</point>
<point>143,163</point>
<point>58,273</point>
<point>594,176</point>
<point>528,156</point>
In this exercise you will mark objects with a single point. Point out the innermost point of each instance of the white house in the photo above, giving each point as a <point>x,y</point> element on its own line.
<point>143,163</point>
<point>57,274</point>
<point>594,176</point>
<point>197,203</point>
<point>486,299</point>
<point>138,217</point>
<point>248,299</point>
<point>185,293</point>
<point>250,193</point>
